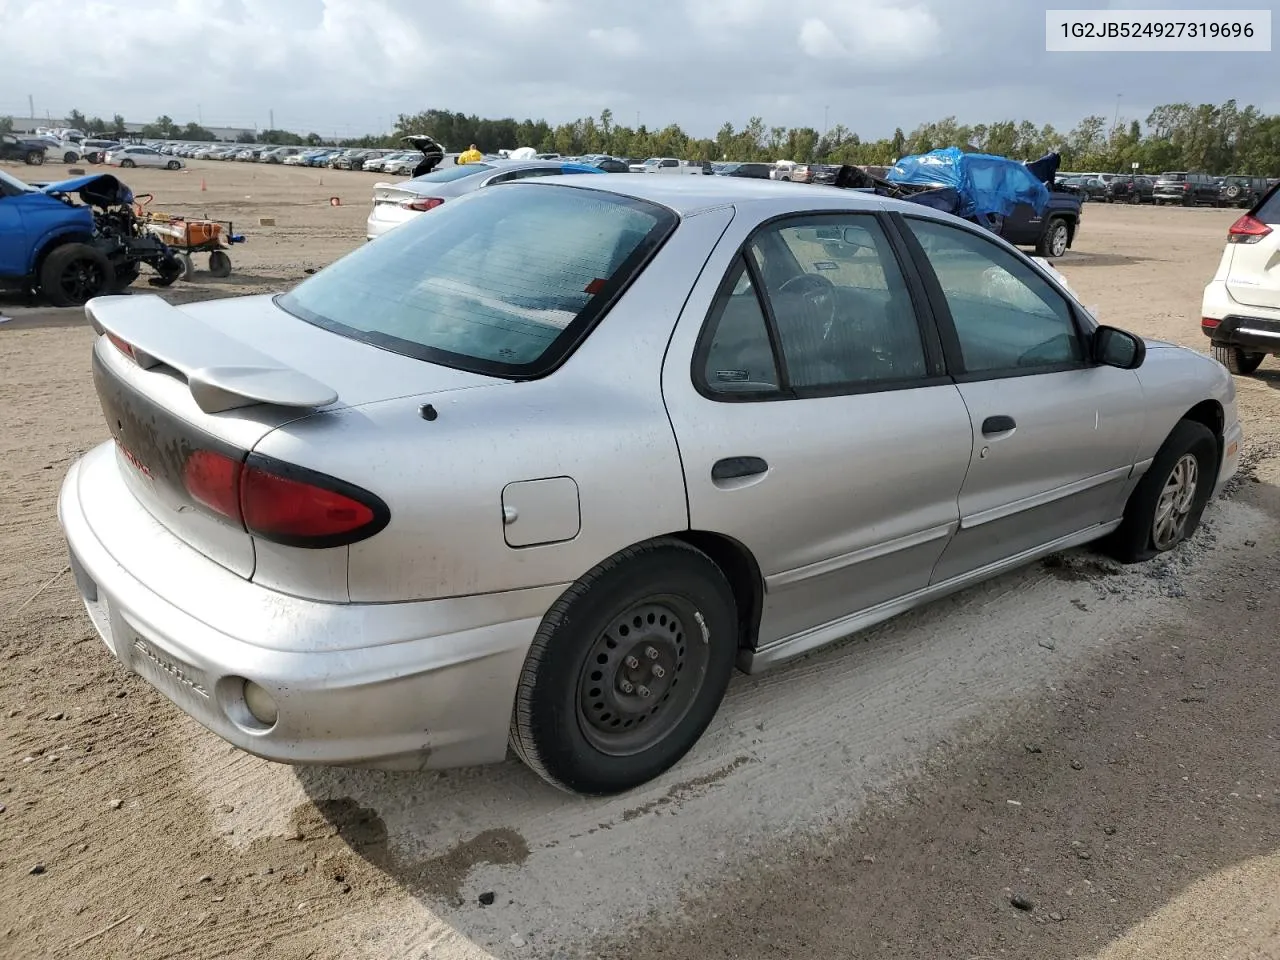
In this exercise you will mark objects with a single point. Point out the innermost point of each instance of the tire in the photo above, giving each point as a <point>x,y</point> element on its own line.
<point>74,274</point>
<point>69,157</point>
<point>173,165</point>
<point>219,264</point>
<point>1134,198</point>
<point>188,268</point>
<point>126,164</point>
<point>1140,536</point>
<point>1232,192</point>
<point>34,158</point>
<point>580,728</point>
<point>1240,362</point>
<point>1053,242</point>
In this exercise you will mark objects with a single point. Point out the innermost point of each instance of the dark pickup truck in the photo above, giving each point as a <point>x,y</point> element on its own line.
<point>1052,234</point>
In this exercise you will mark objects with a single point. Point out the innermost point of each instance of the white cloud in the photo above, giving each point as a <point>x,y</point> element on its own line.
<point>616,41</point>
<point>871,32</point>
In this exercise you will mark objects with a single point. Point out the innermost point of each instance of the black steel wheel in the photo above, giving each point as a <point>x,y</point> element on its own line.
<point>75,273</point>
<point>219,264</point>
<point>627,669</point>
<point>629,692</point>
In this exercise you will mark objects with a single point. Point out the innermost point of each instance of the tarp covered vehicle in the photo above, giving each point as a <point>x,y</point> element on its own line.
<point>71,252</point>
<point>976,186</point>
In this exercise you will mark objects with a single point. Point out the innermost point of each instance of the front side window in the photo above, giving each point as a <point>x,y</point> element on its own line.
<point>499,282</point>
<point>1007,317</point>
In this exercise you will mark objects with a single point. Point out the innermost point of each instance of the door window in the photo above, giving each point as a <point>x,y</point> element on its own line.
<point>1007,318</point>
<point>839,307</point>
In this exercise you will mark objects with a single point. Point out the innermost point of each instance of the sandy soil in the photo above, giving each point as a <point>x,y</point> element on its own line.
<point>1098,741</point>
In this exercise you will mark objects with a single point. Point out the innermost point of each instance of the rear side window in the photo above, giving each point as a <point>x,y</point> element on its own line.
<point>500,282</point>
<point>1268,210</point>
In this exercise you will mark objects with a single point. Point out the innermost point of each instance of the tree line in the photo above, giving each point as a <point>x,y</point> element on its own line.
<point>1207,138</point>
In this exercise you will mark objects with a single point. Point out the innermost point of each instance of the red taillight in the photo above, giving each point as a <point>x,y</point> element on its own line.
<point>1247,229</point>
<point>426,203</point>
<point>1209,323</point>
<point>123,346</point>
<point>282,503</point>
<point>279,507</point>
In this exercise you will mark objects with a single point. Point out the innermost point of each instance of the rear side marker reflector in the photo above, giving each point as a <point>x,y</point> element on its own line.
<point>283,503</point>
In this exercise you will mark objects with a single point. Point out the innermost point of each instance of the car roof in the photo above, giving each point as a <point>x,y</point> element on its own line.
<point>687,195</point>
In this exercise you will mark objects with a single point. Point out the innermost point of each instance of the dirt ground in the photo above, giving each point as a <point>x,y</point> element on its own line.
<point>1097,743</point>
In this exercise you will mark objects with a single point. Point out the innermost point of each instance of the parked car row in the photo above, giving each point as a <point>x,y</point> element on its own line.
<point>1176,187</point>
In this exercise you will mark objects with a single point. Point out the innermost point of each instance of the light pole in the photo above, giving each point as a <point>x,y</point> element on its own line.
<point>826,117</point>
<point>1116,121</point>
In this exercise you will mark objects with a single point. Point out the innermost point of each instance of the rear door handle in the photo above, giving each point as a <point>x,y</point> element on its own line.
<point>1000,424</point>
<point>735,468</point>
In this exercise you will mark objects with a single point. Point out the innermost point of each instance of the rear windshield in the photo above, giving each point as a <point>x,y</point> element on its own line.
<point>504,281</point>
<point>445,174</point>
<point>1173,176</point>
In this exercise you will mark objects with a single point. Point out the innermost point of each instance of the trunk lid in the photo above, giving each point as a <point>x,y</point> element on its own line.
<point>218,377</point>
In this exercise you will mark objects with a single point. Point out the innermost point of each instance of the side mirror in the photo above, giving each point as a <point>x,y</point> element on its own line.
<point>1118,348</point>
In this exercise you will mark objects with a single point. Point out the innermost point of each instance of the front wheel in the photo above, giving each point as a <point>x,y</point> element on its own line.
<point>1166,506</point>
<point>219,264</point>
<point>626,670</point>
<point>1054,241</point>
<point>1240,362</point>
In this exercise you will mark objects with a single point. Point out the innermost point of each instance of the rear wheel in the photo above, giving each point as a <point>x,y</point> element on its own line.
<point>1238,361</point>
<point>126,163</point>
<point>626,670</point>
<point>1166,506</point>
<point>173,165</point>
<point>1053,242</point>
<point>34,158</point>
<point>74,274</point>
<point>69,157</point>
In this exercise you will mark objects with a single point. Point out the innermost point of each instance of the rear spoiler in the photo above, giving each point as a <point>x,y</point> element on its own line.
<point>222,373</point>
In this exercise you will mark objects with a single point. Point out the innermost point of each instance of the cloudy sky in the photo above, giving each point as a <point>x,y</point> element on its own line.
<point>350,66</point>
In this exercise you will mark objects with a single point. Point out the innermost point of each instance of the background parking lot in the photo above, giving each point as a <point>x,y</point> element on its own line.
<point>1096,743</point>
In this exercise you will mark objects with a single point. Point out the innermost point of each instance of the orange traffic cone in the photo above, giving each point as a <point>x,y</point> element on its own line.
<point>203,188</point>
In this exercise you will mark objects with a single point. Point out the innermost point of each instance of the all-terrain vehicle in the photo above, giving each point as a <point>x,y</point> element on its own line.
<point>70,252</point>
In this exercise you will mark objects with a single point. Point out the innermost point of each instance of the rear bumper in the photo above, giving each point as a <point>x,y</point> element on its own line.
<point>416,685</point>
<point>1256,329</point>
<point>385,218</point>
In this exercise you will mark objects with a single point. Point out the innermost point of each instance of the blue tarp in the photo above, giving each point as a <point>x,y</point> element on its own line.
<point>983,185</point>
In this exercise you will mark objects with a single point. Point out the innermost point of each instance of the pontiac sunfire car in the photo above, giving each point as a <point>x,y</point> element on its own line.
<point>538,469</point>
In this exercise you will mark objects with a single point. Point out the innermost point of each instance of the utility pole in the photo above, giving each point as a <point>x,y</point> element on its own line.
<point>1116,121</point>
<point>271,118</point>
<point>826,117</point>
<point>199,115</point>
<point>31,106</point>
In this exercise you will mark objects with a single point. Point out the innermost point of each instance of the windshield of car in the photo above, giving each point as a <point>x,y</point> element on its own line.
<point>447,174</point>
<point>503,281</point>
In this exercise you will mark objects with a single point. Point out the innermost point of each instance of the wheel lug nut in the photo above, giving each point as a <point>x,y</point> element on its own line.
<point>642,690</point>
<point>626,686</point>
<point>659,672</point>
<point>651,653</point>
<point>632,663</point>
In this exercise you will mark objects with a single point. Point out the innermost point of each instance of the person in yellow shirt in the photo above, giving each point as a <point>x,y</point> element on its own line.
<point>470,155</point>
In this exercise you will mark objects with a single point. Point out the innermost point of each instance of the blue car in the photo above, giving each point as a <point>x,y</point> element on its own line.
<point>71,252</point>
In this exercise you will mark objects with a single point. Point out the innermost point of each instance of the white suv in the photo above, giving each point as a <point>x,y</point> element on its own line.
<point>1240,313</point>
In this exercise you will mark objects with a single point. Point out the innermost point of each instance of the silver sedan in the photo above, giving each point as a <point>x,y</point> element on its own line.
<point>538,470</point>
<point>394,204</point>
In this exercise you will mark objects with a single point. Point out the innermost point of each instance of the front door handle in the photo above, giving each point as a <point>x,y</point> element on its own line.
<point>1000,424</point>
<point>735,468</point>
